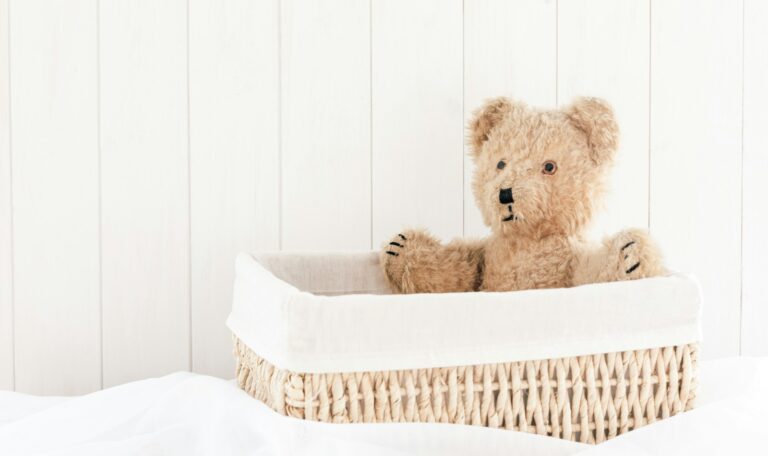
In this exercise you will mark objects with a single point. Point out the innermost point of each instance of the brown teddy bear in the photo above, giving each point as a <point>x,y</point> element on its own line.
<point>538,176</point>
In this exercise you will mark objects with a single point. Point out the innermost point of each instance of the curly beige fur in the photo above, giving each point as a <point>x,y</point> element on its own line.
<point>538,177</point>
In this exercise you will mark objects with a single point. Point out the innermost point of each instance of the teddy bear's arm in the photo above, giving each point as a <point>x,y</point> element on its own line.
<point>415,262</point>
<point>629,254</point>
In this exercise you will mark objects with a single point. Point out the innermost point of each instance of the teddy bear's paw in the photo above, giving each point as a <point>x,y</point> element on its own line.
<point>630,262</point>
<point>638,256</point>
<point>396,246</point>
<point>408,251</point>
<point>393,258</point>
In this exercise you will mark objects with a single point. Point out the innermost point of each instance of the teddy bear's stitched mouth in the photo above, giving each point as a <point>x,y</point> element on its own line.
<point>511,215</point>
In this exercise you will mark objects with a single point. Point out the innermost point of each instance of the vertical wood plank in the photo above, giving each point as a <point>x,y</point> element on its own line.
<point>145,200</point>
<point>510,49</point>
<point>6,219</point>
<point>417,117</point>
<point>696,94</point>
<point>55,196</point>
<point>326,187</point>
<point>234,159</point>
<point>755,210</point>
<point>603,51</point>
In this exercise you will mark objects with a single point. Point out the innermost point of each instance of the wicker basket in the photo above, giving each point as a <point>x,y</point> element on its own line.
<point>555,397</point>
<point>587,398</point>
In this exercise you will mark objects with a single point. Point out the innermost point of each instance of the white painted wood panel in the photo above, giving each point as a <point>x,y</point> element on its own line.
<point>417,117</point>
<point>510,48</point>
<point>55,196</point>
<point>145,185</point>
<point>695,170</point>
<point>326,177</point>
<point>6,243</point>
<point>603,51</point>
<point>234,159</point>
<point>754,337</point>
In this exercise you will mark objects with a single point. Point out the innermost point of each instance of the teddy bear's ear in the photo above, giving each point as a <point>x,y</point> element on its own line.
<point>595,118</point>
<point>485,119</point>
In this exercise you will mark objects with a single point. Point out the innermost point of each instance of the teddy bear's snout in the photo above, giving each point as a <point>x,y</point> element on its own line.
<point>505,196</point>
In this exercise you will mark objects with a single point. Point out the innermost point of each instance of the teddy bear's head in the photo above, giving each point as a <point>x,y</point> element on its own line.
<point>540,172</point>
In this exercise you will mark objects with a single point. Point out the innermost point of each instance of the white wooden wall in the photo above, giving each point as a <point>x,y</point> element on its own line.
<point>144,143</point>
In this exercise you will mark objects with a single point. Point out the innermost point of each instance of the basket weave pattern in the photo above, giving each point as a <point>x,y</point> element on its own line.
<point>584,398</point>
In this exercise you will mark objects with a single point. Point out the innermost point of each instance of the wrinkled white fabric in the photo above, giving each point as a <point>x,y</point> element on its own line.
<point>191,414</point>
<point>291,309</point>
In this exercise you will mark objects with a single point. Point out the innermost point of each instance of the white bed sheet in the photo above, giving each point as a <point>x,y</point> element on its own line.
<point>193,414</point>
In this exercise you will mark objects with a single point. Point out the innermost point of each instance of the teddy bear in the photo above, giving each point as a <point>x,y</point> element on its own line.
<point>539,175</point>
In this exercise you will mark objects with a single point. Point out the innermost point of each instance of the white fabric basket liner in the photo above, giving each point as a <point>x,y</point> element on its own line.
<point>331,312</point>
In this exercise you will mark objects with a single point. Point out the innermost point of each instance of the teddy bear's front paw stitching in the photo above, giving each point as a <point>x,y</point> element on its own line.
<point>628,251</point>
<point>399,245</point>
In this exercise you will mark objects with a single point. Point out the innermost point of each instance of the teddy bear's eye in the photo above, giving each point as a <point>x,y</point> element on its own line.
<point>549,167</point>
<point>500,165</point>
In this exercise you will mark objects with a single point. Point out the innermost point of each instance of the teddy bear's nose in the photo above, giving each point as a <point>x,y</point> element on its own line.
<point>505,196</point>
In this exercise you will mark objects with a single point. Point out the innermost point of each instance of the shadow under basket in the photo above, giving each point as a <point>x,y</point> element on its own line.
<point>370,357</point>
